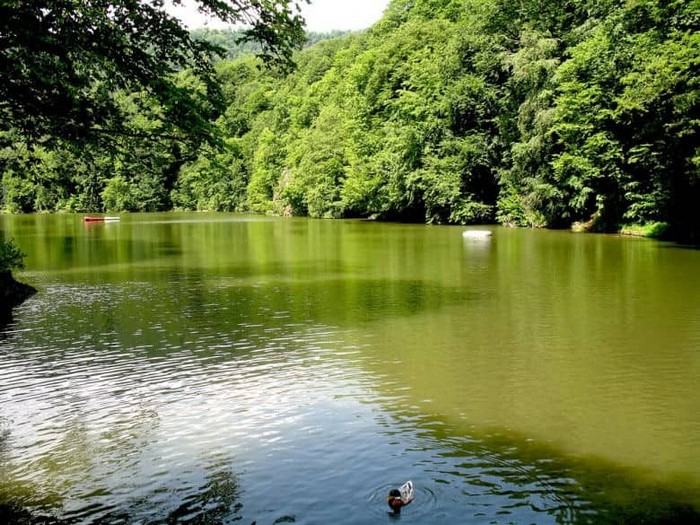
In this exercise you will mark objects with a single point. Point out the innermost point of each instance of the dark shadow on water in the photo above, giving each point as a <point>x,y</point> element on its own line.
<point>6,320</point>
<point>576,491</point>
<point>216,502</point>
<point>15,515</point>
<point>650,512</point>
<point>212,504</point>
<point>680,246</point>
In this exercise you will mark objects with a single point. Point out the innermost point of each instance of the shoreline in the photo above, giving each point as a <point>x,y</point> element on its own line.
<point>12,292</point>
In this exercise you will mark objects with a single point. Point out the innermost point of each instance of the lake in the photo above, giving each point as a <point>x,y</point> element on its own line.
<point>222,368</point>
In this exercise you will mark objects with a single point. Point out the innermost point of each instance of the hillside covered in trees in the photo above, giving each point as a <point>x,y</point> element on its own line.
<point>535,113</point>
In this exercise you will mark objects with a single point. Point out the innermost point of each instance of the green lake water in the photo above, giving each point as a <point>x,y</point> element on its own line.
<point>220,368</point>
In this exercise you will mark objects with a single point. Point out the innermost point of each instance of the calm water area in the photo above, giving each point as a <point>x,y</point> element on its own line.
<point>221,368</point>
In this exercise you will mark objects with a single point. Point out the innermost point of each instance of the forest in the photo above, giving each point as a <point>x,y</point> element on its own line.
<point>579,114</point>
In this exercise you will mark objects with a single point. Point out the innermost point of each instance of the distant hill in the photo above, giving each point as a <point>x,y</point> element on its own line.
<point>230,40</point>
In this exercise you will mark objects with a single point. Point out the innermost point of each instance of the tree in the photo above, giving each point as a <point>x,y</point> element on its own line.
<point>62,61</point>
<point>12,293</point>
<point>11,257</point>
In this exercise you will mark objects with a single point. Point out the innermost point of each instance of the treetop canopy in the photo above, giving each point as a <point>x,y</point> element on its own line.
<point>61,61</point>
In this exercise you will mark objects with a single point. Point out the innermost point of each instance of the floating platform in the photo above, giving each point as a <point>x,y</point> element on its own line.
<point>477,234</point>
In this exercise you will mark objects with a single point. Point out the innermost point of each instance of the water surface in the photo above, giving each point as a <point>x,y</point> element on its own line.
<point>214,368</point>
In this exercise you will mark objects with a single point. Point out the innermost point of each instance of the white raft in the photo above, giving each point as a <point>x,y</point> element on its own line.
<point>477,235</point>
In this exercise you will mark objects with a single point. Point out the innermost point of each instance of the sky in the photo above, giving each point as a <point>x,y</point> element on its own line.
<point>320,15</point>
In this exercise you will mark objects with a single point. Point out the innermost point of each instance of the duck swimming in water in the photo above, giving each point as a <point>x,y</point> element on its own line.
<point>400,497</point>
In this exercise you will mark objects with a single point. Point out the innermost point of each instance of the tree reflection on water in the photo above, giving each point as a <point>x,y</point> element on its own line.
<point>6,320</point>
<point>218,501</point>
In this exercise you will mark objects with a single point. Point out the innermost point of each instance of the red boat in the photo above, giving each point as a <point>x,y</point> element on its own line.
<point>100,219</point>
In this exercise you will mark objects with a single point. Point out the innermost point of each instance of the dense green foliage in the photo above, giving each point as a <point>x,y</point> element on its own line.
<point>92,91</point>
<point>11,257</point>
<point>62,63</point>
<point>536,113</point>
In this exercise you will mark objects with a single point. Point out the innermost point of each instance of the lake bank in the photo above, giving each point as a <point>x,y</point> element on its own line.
<point>12,292</point>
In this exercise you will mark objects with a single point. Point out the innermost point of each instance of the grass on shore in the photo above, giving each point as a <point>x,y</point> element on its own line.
<point>653,230</point>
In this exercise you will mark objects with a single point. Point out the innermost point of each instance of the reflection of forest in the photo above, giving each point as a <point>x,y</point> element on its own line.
<point>575,490</point>
<point>581,342</point>
<point>332,272</point>
<point>6,319</point>
<point>215,502</point>
<point>629,429</point>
